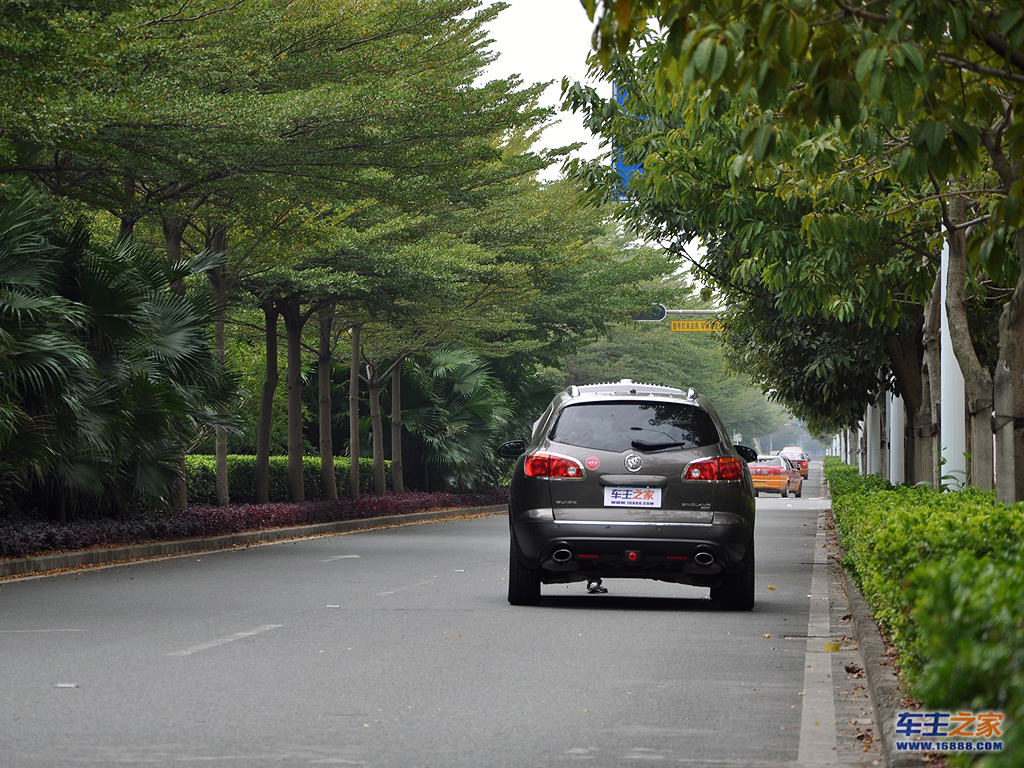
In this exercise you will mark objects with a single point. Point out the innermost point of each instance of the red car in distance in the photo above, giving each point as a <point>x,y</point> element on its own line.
<point>800,459</point>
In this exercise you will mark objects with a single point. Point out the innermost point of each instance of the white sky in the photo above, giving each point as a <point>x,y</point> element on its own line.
<point>543,40</point>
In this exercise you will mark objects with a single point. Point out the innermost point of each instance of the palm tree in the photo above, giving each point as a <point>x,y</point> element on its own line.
<point>104,371</point>
<point>42,365</point>
<point>455,410</point>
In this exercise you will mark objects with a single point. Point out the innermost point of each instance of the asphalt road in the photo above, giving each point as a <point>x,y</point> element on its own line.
<point>397,648</point>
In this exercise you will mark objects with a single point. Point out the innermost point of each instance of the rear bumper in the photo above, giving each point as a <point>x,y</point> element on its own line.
<point>678,552</point>
<point>770,484</point>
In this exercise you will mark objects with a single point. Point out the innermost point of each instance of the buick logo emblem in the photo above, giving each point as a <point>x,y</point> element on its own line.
<point>634,463</point>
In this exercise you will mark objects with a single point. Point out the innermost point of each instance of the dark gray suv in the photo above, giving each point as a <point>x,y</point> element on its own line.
<point>630,480</point>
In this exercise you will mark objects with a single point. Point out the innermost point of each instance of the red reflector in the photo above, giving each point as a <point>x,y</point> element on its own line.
<point>677,557</point>
<point>632,556</point>
<point>587,557</point>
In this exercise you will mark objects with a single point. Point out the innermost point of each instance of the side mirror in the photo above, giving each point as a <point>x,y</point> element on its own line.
<point>512,449</point>
<point>747,454</point>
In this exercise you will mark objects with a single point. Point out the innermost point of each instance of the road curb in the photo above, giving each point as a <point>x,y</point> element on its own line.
<point>35,566</point>
<point>883,684</point>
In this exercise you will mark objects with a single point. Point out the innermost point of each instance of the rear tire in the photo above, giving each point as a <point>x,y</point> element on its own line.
<point>785,490</point>
<point>799,490</point>
<point>737,590</point>
<point>523,584</point>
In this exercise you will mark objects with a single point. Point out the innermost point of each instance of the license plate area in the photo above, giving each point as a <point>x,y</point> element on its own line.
<point>632,496</point>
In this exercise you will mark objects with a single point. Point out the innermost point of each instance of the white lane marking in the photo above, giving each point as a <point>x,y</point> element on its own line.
<point>402,589</point>
<point>36,631</point>
<point>224,640</point>
<point>818,717</point>
<point>339,557</point>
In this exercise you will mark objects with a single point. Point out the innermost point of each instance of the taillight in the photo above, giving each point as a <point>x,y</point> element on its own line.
<point>554,466</point>
<point>723,468</point>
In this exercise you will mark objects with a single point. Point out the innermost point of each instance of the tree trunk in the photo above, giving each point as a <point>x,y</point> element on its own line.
<point>266,415</point>
<point>59,508</point>
<point>906,347</point>
<point>397,471</point>
<point>926,420</point>
<point>328,480</point>
<point>217,243</point>
<point>221,449</point>
<point>373,383</point>
<point>353,415</point>
<point>174,229</point>
<point>1003,426</point>
<point>977,377</point>
<point>1010,386</point>
<point>179,490</point>
<point>127,229</point>
<point>293,322</point>
<point>923,426</point>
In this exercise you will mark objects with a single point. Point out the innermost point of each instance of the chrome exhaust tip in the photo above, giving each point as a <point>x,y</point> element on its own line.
<point>704,558</point>
<point>562,555</point>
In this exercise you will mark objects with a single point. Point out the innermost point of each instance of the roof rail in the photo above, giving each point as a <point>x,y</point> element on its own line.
<point>630,387</point>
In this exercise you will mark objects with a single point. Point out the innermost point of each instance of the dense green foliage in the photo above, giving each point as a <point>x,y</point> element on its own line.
<point>844,479</point>
<point>943,574</point>
<point>105,372</point>
<point>201,472</point>
<point>811,307</point>
<point>927,88</point>
<point>970,624</point>
<point>652,352</point>
<point>824,153</point>
<point>351,165</point>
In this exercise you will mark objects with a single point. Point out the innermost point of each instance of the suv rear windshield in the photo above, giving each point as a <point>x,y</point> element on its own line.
<point>625,426</point>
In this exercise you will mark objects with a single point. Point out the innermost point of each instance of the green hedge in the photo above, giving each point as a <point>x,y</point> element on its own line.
<point>843,479</point>
<point>943,574</point>
<point>201,474</point>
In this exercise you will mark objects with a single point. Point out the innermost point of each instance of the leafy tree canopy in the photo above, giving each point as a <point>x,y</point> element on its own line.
<point>934,85</point>
<point>651,352</point>
<point>803,273</point>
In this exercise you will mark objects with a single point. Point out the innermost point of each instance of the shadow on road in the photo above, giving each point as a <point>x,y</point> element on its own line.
<point>628,603</point>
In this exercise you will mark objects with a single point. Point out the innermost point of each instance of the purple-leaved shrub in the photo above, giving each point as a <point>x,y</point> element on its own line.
<point>38,538</point>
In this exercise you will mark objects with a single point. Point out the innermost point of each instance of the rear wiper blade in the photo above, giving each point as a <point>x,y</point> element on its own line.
<point>643,445</point>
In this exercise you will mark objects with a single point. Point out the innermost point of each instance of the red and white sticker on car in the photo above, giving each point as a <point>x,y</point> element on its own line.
<point>625,496</point>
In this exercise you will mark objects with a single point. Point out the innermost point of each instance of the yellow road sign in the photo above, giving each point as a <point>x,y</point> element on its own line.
<point>696,325</point>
